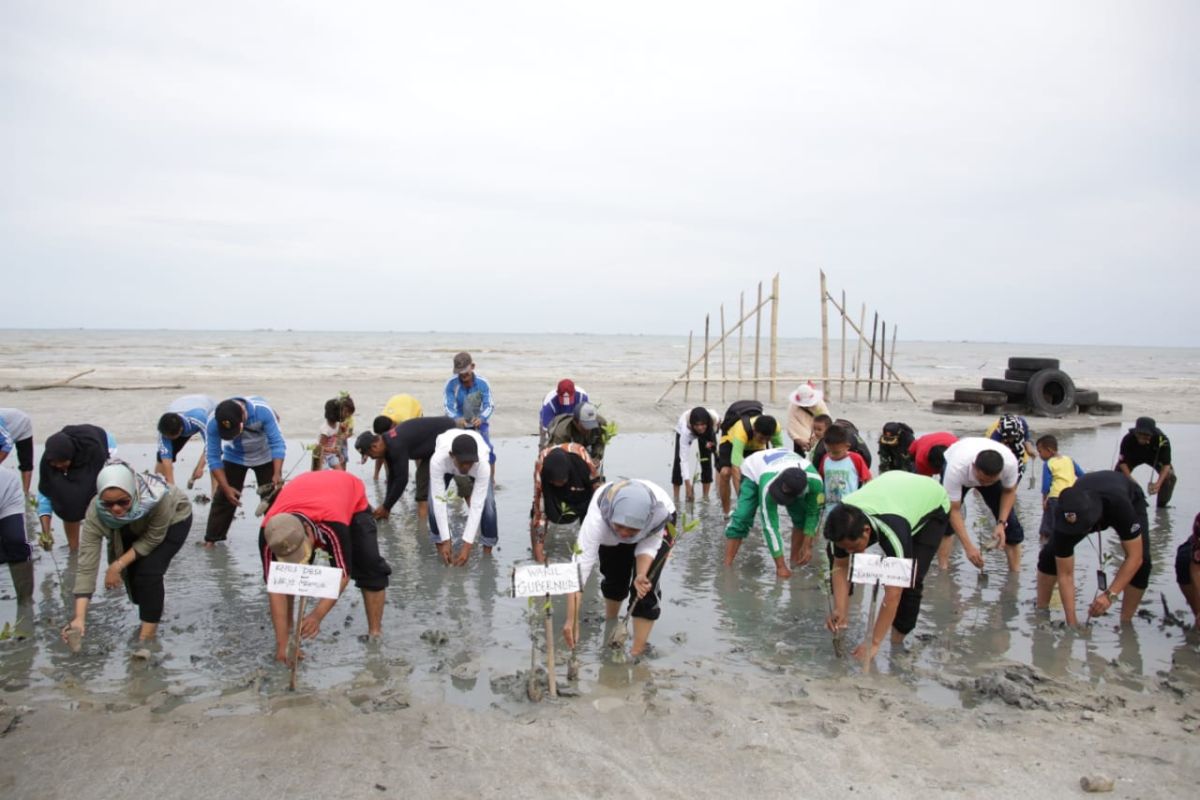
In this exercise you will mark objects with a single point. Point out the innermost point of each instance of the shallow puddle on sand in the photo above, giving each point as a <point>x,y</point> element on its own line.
<point>216,638</point>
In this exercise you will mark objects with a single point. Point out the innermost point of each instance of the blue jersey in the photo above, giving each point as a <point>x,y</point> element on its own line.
<point>194,409</point>
<point>259,442</point>
<point>473,403</point>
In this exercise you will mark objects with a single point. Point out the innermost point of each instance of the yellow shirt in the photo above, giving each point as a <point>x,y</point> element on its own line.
<point>401,408</point>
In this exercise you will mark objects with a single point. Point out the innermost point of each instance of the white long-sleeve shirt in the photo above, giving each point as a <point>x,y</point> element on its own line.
<point>595,532</point>
<point>441,465</point>
<point>687,441</point>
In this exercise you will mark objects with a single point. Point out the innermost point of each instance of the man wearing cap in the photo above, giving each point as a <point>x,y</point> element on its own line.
<point>907,516</point>
<point>696,429</point>
<point>929,453</point>
<point>328,511</point>
<point>895,443</point>
<point>1146,444</point>
<point>804,405</point>
<point>584,426</point>
<point>242,434</point>
<point>414,439</point>
<point>460,456</point>
<point>183,419</point>
<point>564,479</point>
<point>1098,500</point>
<point>770,479</point>
<point>565,398</point>
<point>625,532</point>
<point>16,432</point>
<point>990,469</point>
<point>468,399</point>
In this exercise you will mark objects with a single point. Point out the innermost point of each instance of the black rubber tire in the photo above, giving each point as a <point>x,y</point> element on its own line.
<point>1051,393</point>
<point>981,396</point>
<point>1104,408</point>
<point>1086,397</point>
<point>1032,364</point>
<point>1022,375</point>
<point>1010,388</point>
<point>957,408</point>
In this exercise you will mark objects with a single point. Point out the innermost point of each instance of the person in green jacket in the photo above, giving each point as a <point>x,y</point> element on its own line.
<point>144,521</point>
<point>906,515</point>
<point>770,479</point>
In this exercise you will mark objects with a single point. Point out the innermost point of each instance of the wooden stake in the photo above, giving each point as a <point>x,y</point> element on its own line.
<point>757,337</point>
<point>704,392</point>
<point>824,336</point>
<point>722,353</point>
<point>774,332</point>
<point>868,643</point>
<point>882,350</point>
<point>858,359</point>
<point>296,642</point>
<point>892,361</point>
<point>550,643</point>
<point>842,392</point>
<point>871,362</point>
<point>688,374</point>
<point>741,336</point>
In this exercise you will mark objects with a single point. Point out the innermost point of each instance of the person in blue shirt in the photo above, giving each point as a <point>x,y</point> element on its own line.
<point>16,432</point>
<point>183,419</point>
<point>468,399</point>
<point>242,434</point>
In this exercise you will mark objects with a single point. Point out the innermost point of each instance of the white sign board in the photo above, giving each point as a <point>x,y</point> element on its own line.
<point>304,579</point>
<point>536,580</point>
<point>869,568</point>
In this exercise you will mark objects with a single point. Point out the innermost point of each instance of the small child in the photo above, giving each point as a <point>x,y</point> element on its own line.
<point>328,443</point>
<point>345,426</point>
<point>842,469</point>
<point>1058,473</point>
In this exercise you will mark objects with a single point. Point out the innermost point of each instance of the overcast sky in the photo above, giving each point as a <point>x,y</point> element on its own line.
<point>991,171</point>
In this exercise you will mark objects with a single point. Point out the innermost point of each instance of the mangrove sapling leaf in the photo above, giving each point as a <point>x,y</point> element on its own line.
<point>565,512</point>
<point>608,432</point>
<point>6,632</point>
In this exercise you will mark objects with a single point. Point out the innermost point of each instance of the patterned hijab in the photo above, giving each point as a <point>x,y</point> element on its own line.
<point>145,490</point>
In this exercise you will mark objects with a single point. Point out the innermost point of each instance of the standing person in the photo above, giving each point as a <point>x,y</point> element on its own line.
<point>565,398</point>
<point>243,434</point>
<point>564,479</point>
<point>842,470</point>
<point>907,516</point>
<point>399,408</point>
<point>468,400</point>
<point>415,440</point>
<point>804,406</point>
<point>742,434</point>
<point>770,479</point>
<point>328,453</point>
<point>16,431</point>
<point>990,469</point>
<point>142,521</point>
<point>583,426</point>
<point>14,547</point>
<point>1187,571</point>
<point>456,455</point>
<point>327,511</point>
<point>71,460</point>
<point>1058,472</point>
<point>929,453</point>
<point>698,428</point>
<point>895,447</point>
<point>345,425</point>
<point>1013,432</point>
<point>1098,500</point>
<point>1146,444</point>
<point>183,419</point>
<point>625,532</point>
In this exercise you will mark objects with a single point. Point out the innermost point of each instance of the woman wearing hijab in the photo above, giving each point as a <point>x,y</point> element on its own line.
<point>624,532</point>
<point>564,480</point>
<point>144,521</point>
<point>696,427</point>
<point>71,460</point>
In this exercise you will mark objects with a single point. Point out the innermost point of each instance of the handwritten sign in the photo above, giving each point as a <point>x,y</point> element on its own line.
<point>869,568</point>
<point>536,580</point>
<point>304,579</point>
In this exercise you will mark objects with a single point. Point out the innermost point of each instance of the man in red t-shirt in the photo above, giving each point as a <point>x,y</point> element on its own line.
<point>928,453</point>
<point>328,511</point>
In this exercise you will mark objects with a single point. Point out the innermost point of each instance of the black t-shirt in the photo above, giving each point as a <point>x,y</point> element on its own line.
<point>1156,452</point>
<point>569,503</point>
<point>1122,505</point>
<point>415,439</point>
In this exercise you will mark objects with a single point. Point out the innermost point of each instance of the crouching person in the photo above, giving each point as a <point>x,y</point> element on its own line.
<point>327,511</point>
<point>907,516</point>
<point>625,532</point>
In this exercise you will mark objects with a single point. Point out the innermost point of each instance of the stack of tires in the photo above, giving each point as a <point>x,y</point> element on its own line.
<point>1030,386</point>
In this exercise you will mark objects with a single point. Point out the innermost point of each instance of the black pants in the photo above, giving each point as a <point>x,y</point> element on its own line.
<point>1014,533</point>
<point>144,577</point>
<point>368,568</point>
<point>618,568</point>
<point>706,459</point>
<point>1164,494</point>
<point>220,515</point>
<point>1140,580</point>
<point>25,455</point>
<point>925,547</point>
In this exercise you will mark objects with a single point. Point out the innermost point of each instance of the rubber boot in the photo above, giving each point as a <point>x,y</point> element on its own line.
<point>22,578</point>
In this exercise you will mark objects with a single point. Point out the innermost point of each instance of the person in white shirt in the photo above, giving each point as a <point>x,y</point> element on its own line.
<point>461,454</point>
<point>991,469</point>
<point>696,432</point>
<point>625,532</point>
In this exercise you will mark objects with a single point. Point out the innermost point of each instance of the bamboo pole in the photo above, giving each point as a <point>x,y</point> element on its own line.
<point>757,337</point>
<point>858,358</point>
<point>871,360</point>
<point>824,334</point>
<point>774,332</point>
<point>862,339</point>
<point>704,392</point>
<point>892,361</point>
<point>741,336</point>
<point>688,374</point>
<point>842,391</point>
<point>722,353</point>
<point>882,350</point>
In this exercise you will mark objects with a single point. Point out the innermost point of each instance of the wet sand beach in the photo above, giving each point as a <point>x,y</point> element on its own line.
<point>989,697</point>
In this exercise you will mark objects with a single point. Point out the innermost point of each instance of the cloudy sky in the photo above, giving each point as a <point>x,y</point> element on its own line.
<point>992,171</point>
